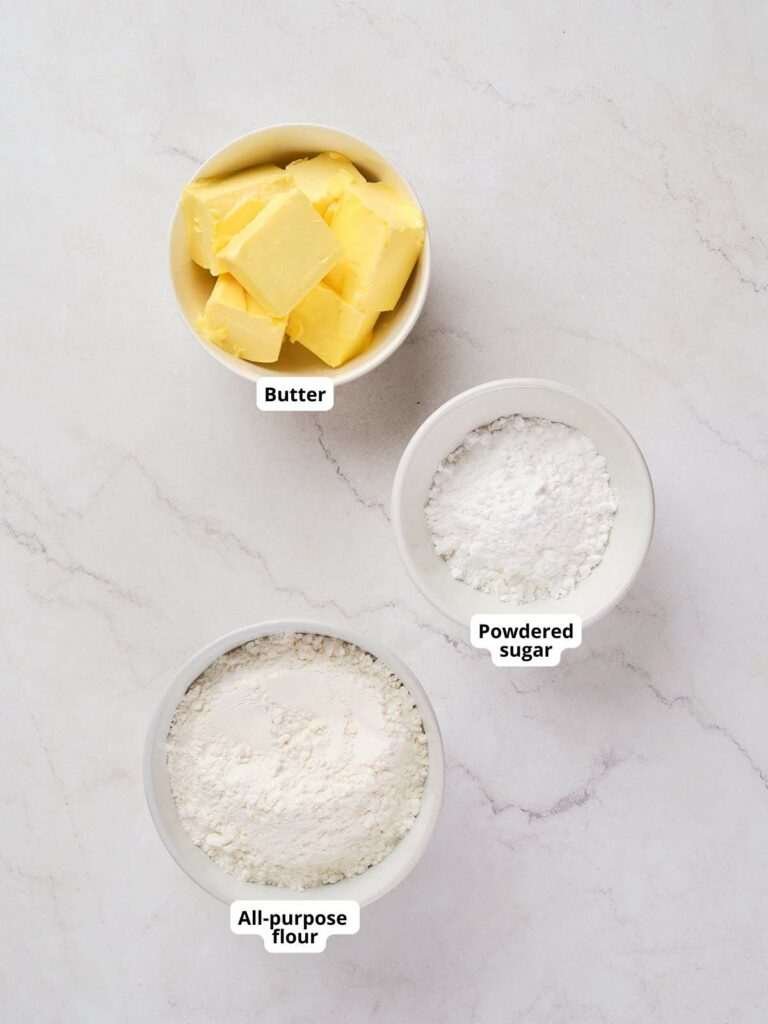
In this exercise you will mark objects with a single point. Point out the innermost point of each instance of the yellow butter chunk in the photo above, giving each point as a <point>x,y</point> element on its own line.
<point>382,234</point>
<point>328,326</point>
<point>282,253</point>
<point>217,208</point>
<point>323,178</point>
<point>237,323</point>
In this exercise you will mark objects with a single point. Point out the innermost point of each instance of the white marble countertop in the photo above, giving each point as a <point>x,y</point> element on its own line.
<point>594,175</point>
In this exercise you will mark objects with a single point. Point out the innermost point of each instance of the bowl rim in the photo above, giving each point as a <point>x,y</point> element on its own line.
<point>247,371</point>
<point>444,410</point>
<point>183,678</point>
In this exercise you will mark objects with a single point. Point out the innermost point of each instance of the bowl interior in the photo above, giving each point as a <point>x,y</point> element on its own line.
<point>281,144</point>
<point>364,888</point>
<point>445,429</point>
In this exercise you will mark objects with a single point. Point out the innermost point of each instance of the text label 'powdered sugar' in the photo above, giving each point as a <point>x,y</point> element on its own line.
<point>294,926</point>
<point>525,641</point>
<point>294,394</point>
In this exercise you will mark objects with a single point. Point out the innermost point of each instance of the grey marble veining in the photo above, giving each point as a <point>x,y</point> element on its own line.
<point>594,177</point>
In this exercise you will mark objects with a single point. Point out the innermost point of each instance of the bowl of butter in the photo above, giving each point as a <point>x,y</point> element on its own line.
<point>299,250</point>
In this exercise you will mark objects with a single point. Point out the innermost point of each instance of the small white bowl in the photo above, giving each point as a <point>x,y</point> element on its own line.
<point>364,888</point>
<point>444,431</point>
<point>280,144</point>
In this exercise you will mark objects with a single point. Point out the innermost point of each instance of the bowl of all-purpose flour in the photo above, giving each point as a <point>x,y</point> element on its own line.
<point>291,758</point>
<point>522,495</point>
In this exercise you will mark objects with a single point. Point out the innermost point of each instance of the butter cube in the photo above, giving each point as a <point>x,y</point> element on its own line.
<point>238,324</point>
<point>323,178</point>
<point>217,208</point>
<point>328,326</point>
<point>282,253</point>
<point>382,234</point>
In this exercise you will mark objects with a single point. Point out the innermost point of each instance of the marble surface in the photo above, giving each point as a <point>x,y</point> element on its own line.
<point>594,175</point>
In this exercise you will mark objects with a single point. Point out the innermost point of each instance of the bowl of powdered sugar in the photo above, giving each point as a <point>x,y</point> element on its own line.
<point>290,758</point>
<point>522,495</point>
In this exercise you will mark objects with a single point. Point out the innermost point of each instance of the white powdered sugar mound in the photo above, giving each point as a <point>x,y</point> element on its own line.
<point>297,760</point>
<point>522,509</point>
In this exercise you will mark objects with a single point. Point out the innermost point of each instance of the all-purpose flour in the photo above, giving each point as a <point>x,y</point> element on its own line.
<point>297,760</point>
<point>522,509</point>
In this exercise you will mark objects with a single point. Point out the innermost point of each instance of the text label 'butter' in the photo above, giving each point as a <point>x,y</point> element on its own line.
<point>295,394</point>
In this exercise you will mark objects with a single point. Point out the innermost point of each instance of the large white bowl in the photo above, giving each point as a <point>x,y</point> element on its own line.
<point>364,888</point>
<point>279,144</point>
<point>444,431</point>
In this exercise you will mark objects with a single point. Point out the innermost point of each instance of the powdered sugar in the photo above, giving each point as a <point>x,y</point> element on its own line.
<point>522,509</point>
<point>297,760</point>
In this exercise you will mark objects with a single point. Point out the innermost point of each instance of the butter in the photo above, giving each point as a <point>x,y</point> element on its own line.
<point>215,209</point>
<point>237,323</point>
<point>382,234</point>
<point>323,178</point>
<point>313,251</point>
<point>282,253</point>
<point>328,326</point>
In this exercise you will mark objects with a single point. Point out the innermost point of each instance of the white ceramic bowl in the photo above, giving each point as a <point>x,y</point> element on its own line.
<point>364,888</point>
<point>279,144</point>
<point>444,431</point>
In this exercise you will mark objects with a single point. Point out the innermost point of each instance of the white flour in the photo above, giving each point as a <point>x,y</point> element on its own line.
<point>297,760</point>
<point>522,509</point>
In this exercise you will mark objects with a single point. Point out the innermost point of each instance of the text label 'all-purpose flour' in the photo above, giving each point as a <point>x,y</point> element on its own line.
<point>522,509</point>
<point>297,760</point>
